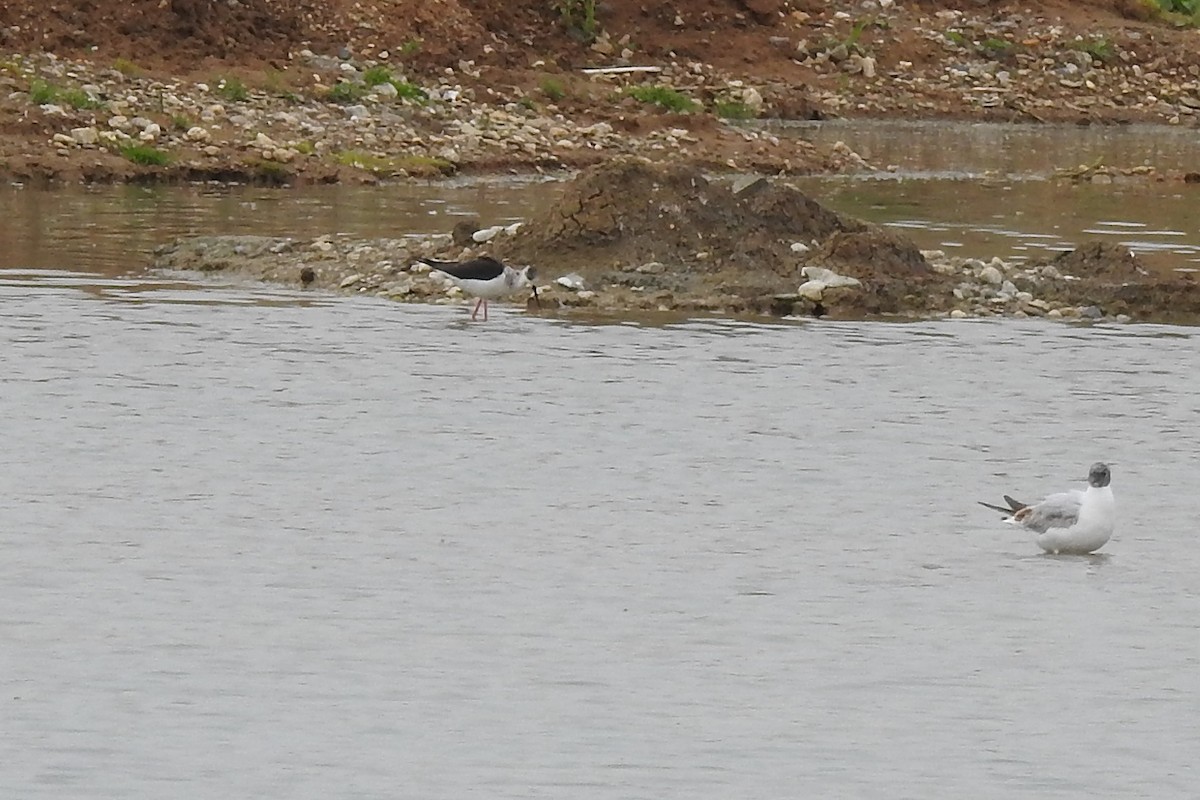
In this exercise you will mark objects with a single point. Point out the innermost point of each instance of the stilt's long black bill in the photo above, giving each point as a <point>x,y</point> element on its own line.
<point>536,300</point>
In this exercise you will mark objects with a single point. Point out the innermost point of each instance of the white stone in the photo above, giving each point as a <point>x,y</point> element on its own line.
<point>349,281</point>
<point>487,234</point>
<point>990,274</point>
<point>800,247</point>
<point>85,136</point>
<point>958,313</point>
<point>196,134</point>
<point>812,290</point>
<point>574,282</point>
<point>829,278</point>
<point>752,98</point>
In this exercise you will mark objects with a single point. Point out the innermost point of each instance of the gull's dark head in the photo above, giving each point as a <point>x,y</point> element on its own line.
<point>1099,475</point>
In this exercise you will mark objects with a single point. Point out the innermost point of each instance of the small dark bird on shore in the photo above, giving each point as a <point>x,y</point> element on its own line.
<point>307,276</point>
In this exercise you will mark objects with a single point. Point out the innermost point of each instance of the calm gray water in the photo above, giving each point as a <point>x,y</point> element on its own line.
<point>266,544</point>
<point>937,196</point>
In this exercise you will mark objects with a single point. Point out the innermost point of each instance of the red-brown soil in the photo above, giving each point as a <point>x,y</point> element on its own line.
<point>517,45</point>
<point>189,35</point>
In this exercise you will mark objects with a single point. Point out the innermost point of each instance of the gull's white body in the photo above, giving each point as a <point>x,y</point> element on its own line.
<point>1095,519</point>
<point>1069,522</point>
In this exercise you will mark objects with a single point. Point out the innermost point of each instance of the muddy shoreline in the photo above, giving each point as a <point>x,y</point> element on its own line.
<point>635,236</point>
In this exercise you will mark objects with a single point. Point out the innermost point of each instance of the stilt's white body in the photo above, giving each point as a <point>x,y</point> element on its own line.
<point>485,278</point>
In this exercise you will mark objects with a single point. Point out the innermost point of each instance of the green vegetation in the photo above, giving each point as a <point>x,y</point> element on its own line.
<point>411,47</point>
<point>733,109</point>
<point>273,172</point>
<point>553,89</point>
<point>579,18</point>
<point>347,92</point>
<point>404,90</point>
<point>145,154</point>
<point>127,68</point>
<point>305,148</point>
<point>78,98</point>
<point>388,165</point>
<point>410,91</point>
<point>1181,12</point>
<point>1179,6</point>
<point>377,75</point>
<point>42,93</point>
<point>992,47</point>
<point>996,48</point>
<point>365,161</point>
<point>12,65</point>
<point>424,165</point>
<point>664,97</point>
<point>1097,47</point>
<point>956,38</point>
<point>232,89</point>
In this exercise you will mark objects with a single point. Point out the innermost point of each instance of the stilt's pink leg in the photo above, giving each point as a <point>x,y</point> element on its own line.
<point>476,311</point>
<point>485,310</point>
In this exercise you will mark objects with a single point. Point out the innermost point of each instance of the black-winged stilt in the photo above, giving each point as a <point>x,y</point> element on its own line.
<point>485,278</point>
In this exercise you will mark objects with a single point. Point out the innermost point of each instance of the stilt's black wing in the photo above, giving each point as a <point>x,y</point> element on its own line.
<point>484,268</point>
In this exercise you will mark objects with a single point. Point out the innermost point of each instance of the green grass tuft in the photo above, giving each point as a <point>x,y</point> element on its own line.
<point>663,97</point>
<point>1186,7</point>
<point>347,93</point>
<point>42,93</point>
<point>78,98</point>
<point>410,91</point>
<point>579,18</point>
<point>553,88</point>
<point>145,155</point>
<point>377,75</point>
<point>1097,47</point>
<point>733,109</point>
<point>232,89</point>
<point>127,68</point>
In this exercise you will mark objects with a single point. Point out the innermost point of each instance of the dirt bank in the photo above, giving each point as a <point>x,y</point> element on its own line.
<point>282,92</point>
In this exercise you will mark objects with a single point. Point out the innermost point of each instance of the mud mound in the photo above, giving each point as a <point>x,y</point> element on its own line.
<point>665,228</point>
<point>871,252</point>
<point>632,212</point>
<point>1101,261</point>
